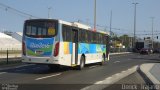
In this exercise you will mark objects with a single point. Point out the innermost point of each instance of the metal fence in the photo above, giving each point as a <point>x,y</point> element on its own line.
<point>115,50</point>
<point>10,56</point>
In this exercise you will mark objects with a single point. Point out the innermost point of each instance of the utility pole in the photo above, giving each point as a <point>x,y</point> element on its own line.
<point>152,30</point>
<point>111,23</point>
<point>134,39</point>
<point>49,12</point>
<point>95,7</point>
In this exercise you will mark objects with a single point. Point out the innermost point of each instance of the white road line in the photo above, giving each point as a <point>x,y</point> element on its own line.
<point>116,62</point>
<point>108,78</point>
<point>99,82</point>
<point>48,76</point>
<point>92,66</point>
<point>2,73</point>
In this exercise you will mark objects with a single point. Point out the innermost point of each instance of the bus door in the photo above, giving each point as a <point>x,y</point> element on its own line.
<point>75,47</point>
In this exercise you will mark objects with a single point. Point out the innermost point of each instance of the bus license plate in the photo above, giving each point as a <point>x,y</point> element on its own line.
<point>39,52</point>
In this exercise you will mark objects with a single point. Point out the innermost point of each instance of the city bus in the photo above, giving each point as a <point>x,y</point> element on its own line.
<point>56,42</point>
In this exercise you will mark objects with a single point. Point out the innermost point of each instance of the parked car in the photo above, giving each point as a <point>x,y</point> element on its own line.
<point>157,50</point>
<point>144,51</point>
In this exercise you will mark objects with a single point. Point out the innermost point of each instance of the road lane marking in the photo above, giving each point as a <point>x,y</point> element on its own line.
<point>48,76</point>
<point>100,85</point>
<point>116,62</point>
<point>92,66</point>
<point>109,78</point>
<point>99,82</point>
<point>2,73</point>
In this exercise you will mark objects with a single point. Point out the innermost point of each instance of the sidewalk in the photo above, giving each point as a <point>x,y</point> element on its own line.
<point>152,72</point>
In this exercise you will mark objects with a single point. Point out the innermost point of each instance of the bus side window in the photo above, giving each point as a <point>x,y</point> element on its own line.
<point>83,36</point>
<point>92,37</point>
<point>86,36</point>
<point>67,33</point>
<point>89,37</point>
<point>79,35</point>
<point>95,37</point>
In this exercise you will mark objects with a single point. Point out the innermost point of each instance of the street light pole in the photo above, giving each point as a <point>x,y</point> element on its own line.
<point>152,30</point>
<point>134,39</point>
<point>49,12</point>
<point>95,7</point>
<point>111,23</point>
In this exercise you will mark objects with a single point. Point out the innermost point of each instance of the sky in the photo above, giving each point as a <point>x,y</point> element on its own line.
<point>83,10</point>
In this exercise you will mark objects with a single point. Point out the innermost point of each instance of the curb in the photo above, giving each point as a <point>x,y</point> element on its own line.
<point>145,72</point>
<point>100,85</point>
<point>145,77</point>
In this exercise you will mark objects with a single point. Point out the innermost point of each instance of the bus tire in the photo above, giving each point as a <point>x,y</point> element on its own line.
<point>103,61</point>
<point>82,63</point>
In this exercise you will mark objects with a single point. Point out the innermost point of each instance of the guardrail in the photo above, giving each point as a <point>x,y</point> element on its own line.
<point>116,50</point>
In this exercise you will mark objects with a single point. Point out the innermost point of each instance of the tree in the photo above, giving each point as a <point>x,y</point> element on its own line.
<point>125,39</point>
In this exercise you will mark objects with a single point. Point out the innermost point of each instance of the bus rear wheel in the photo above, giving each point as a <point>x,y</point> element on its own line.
<point>82,63</point>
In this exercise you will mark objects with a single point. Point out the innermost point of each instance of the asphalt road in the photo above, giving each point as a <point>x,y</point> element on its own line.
<point>39,76</point>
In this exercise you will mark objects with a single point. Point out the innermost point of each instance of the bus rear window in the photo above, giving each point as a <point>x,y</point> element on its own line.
<point>40,29</point>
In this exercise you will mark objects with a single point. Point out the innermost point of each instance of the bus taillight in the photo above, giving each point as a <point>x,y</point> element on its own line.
<point>56,49</point>
<point>23,48</point>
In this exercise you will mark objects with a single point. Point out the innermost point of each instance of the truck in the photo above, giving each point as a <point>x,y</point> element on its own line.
<point>139,45</point>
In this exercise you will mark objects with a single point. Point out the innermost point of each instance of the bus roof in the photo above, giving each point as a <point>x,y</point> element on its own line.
<point>76,24</point>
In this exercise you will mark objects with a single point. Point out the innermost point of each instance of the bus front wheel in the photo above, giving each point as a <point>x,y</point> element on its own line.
<point>103,60</point>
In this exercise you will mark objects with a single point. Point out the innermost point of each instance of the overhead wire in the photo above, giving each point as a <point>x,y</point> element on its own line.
<point>15,11</point>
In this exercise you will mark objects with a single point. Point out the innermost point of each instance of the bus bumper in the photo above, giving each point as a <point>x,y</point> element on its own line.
<point>40,60</point>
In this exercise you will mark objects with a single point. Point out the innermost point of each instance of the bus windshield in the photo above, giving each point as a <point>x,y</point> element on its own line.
<point>40,28</point>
